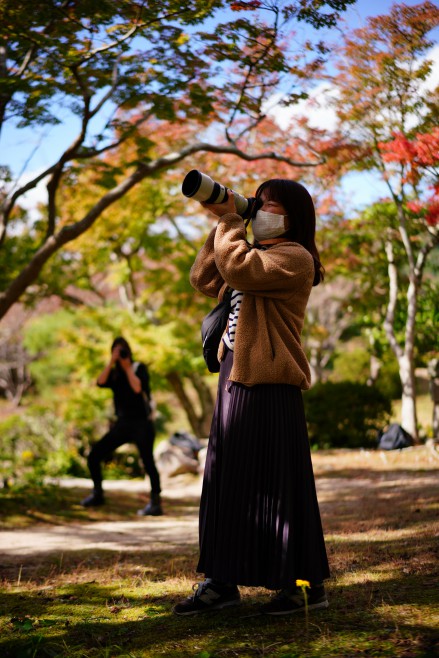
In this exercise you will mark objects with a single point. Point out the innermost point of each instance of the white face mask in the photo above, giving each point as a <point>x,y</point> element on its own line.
<point>268,225</point>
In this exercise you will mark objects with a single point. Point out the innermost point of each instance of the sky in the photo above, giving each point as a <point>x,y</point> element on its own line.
<point>28,151</point>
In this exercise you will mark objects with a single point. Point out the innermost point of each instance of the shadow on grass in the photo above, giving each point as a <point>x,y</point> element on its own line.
<point>382,578</point>
<point>410,491</point>
<point>383,555</point>
<point>390,474</point>
<point>384,503</point>
<point>363,620</point>
<point>383,609</point>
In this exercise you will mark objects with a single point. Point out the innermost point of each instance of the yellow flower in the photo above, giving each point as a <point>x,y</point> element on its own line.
<point>303,583</point>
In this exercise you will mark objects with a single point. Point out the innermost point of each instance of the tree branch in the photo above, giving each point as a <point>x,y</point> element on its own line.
<point>52,185</point>
<point>91,153</point>
<point>107,96</point>
<point>249,73</point>
<point>173,158</point>
<point>68,233</point>
<point>6,212</point>
<point>131,33</point>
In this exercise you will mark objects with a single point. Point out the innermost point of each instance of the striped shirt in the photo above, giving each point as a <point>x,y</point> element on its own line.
<point>235,305</point>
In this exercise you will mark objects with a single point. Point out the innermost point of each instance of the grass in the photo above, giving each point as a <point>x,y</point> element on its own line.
<point>379,512</point>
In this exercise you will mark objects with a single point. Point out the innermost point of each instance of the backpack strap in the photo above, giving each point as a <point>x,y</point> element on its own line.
<point>150,404</point>
<point>136,365</point>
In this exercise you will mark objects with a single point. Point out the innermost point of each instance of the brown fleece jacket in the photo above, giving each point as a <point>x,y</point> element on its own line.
<point>276,284</point>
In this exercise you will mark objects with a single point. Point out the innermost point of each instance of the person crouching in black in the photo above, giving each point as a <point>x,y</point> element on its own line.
<point>131,392</point>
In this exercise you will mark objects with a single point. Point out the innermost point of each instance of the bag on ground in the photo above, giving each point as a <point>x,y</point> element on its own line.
<point>394,437</point>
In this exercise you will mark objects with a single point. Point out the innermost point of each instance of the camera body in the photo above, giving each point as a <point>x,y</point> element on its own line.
<point>202,187</point>
<point>123,353</point>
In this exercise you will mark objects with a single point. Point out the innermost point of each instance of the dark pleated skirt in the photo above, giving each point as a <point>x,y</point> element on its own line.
<point>259,517</point>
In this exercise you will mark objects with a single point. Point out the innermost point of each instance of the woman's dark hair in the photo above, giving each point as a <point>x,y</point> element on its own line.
<point>124,345</point>
<point>299,205</point>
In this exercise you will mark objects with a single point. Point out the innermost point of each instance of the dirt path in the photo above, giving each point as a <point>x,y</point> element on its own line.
<point>150,534</point>
<point>138,533</point>
<point>370,476</point>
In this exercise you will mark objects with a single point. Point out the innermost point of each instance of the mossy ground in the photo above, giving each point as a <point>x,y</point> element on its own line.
<point>380,516</point>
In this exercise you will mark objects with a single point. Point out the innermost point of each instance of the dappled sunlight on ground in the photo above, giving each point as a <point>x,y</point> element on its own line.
<point>102,582</point>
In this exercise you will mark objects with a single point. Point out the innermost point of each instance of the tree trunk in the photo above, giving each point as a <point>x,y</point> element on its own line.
<point>404,356</point>
<point>198,423</point>
<point>409,419</point>
<point>433,371</point>
<point>207,404</point>
<point>315,366</point>
<point>435,420</point>
<point>374,369</point>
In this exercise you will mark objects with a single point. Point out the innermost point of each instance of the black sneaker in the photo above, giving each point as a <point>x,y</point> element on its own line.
<point>288,601</point>
<point>208,596</point>
<point>153,508</point>
<point>95,499</point>
<point>150,510</point>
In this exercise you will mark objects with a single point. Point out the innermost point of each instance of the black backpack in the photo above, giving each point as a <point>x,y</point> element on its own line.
<point>394,437</point>
<point>212,329</point>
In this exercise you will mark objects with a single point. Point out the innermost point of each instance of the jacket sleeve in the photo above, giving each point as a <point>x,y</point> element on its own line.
<point>204,275</point>
<point>276,272</point>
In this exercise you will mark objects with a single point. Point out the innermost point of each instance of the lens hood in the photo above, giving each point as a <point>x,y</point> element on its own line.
<point>202,187</point>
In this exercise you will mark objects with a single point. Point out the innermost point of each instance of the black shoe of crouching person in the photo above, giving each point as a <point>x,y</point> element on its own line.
<point>95,499</point>
<point>207,596</point>
<point>153,508</point>
<point>289,601</point>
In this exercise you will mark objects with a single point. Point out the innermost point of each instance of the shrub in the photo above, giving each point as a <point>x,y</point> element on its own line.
<point>351,366</point>
<point>35,444</point>
<point>389,381</point>
<point>345,414</point>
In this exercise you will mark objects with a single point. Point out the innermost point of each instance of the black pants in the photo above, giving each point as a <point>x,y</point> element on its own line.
<point>140,432</point>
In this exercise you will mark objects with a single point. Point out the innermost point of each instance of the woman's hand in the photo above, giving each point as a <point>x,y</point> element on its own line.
<point>220,209</point>
<point>125,363</point>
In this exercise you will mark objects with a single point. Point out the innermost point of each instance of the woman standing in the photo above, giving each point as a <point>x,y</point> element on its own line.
<point>259,517</point>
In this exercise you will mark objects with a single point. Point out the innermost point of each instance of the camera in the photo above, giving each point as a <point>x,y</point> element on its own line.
<point>202,187</point>
<point>123,353</point>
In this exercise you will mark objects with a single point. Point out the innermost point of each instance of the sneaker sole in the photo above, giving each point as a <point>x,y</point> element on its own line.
<point>140,513</point>
<point>219,606</point>
<point>313,606</point>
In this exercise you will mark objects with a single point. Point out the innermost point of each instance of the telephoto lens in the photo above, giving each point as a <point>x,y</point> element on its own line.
<point>202,187</point>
